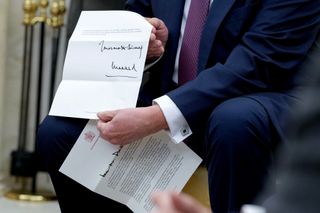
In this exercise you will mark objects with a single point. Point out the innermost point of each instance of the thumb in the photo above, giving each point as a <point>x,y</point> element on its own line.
<point>187,204</point>
<point>107,115</point>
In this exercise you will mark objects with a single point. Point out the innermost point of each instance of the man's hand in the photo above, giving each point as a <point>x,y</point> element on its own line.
<point>127,125</point>
<point>172,202</point>
<point>158,38</point>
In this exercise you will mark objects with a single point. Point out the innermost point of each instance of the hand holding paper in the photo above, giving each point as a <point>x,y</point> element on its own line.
<point>158,38</point>
<point>127,125</point>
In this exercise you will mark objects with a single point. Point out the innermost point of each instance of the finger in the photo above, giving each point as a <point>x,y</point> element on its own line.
<point>156,23</point>
<point>153,37</point>
<point>155,43</point>
<point>159,27</point>
<point>107,115</point>
<point>156,50</point>
<point>106,131</point>
<point>187,204</point>
<point>162,200</point>
<point>155,54</point>
<point>102,127</point>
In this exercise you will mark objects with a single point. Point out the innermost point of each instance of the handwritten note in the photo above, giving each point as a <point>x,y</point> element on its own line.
<point>104,64</point>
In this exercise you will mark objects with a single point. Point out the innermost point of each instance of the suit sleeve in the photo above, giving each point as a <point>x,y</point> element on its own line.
<point>143,7</point>
<point>266,59</point>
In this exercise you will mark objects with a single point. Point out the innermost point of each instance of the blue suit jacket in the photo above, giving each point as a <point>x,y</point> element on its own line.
<point>248,48</point>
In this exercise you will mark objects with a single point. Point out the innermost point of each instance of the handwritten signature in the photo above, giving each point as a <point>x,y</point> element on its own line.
<point>123,68</point>
<point>114,66</point>
<point>116,154</point>
<point>129,47</point>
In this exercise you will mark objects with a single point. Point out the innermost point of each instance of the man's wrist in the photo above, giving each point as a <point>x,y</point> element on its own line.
<point>158,117</point>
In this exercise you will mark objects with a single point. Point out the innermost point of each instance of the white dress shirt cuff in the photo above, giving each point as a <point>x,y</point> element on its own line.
<point>252,209</point>
<point>178,127</point>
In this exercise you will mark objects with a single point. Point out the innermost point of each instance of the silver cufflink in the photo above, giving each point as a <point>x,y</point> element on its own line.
<point>184,131</point>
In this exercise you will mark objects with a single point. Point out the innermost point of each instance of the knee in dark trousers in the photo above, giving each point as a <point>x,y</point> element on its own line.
<point>239,148</point>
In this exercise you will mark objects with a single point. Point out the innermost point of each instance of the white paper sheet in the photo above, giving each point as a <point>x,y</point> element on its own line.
<point>129,174</point>
<point>104,64</point>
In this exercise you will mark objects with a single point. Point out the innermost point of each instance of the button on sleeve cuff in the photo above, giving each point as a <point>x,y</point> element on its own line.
<point>178,126</point>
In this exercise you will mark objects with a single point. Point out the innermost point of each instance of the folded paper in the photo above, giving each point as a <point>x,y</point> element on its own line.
<point>104,64</point>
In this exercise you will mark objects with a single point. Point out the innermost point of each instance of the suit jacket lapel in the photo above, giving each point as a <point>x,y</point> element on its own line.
<point>172,10</point>
<point>218,11</point>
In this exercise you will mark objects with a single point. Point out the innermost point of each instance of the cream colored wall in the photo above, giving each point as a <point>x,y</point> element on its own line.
<point>3,54</point>
<point>11,56</point>
<point>11,82</point>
